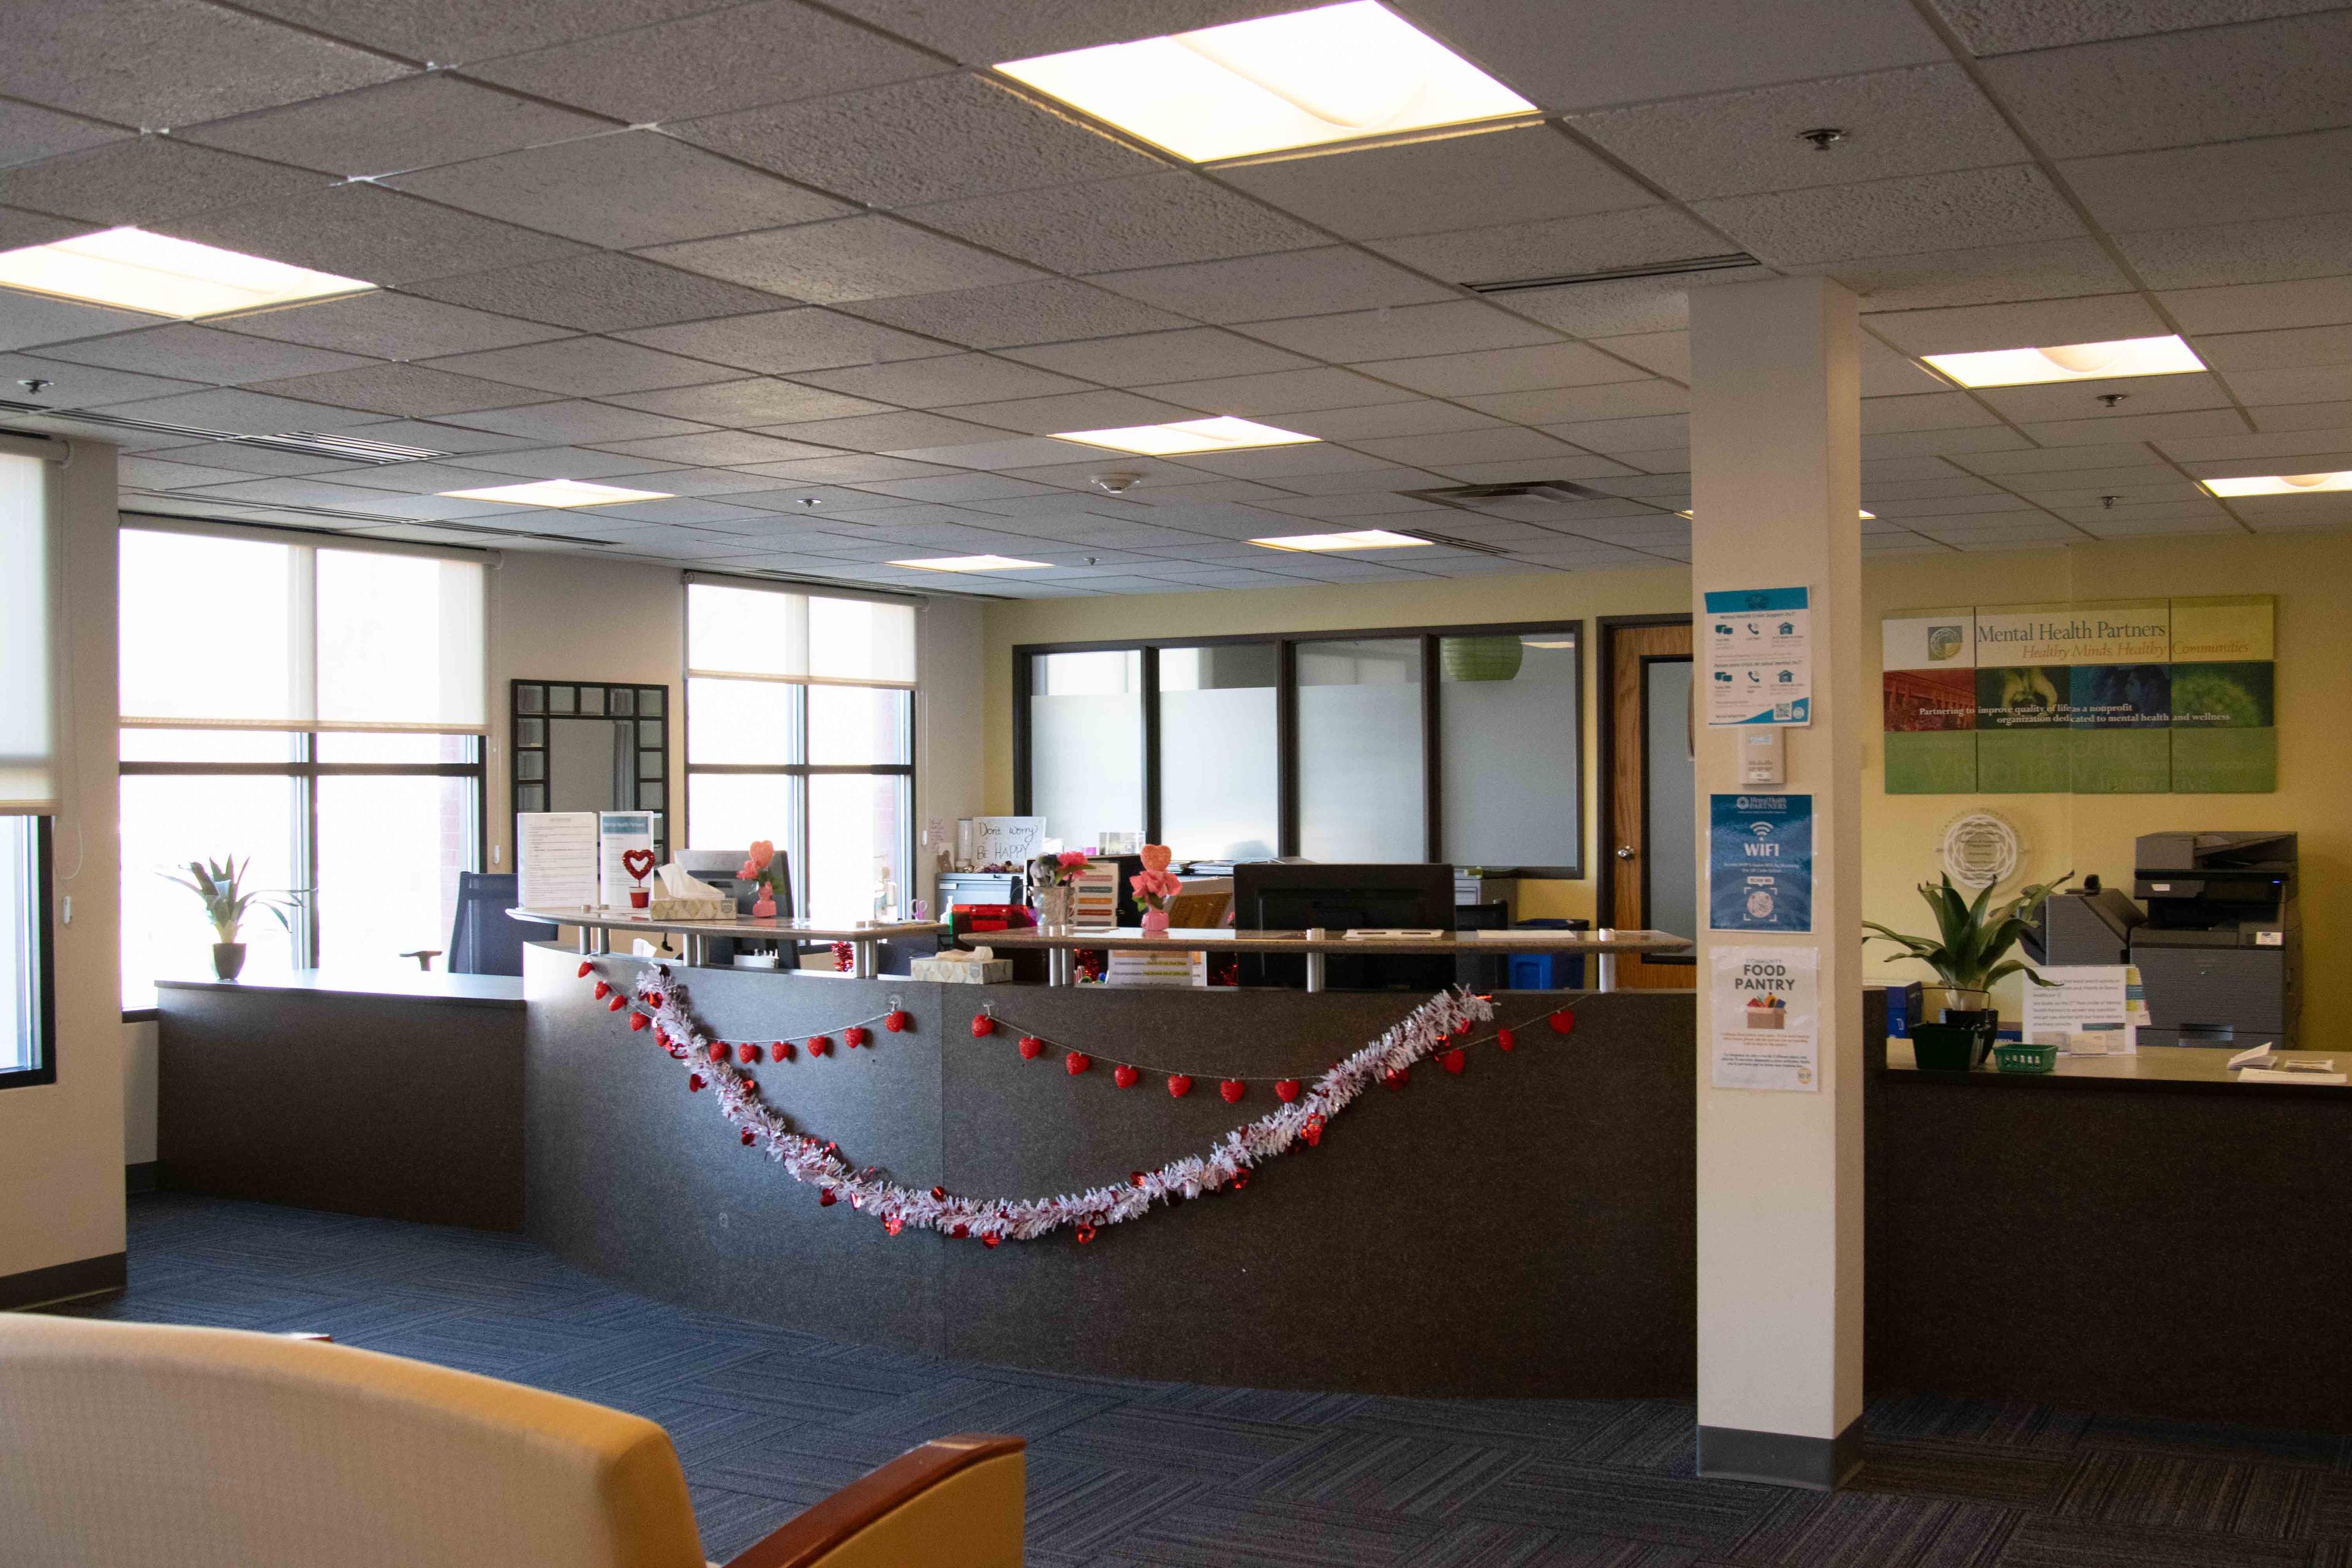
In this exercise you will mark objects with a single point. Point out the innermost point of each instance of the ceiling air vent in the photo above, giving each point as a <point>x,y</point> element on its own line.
<point>371,519</point>
<point>310,443</point>
<point>1451,541</point>
<point>1619,274</point>
<point>1482,498</point>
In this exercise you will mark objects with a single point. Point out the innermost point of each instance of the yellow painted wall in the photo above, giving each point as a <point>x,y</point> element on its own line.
<point>2311,574</point>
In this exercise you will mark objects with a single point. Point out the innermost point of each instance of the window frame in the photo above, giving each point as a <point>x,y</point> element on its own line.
<point>45,970</point>
<point>1286,708</point>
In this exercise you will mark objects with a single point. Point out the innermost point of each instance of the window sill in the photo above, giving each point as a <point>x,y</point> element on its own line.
<point>140,1014</point>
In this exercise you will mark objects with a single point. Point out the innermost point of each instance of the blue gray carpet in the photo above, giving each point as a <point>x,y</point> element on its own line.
<point>767,1420</point>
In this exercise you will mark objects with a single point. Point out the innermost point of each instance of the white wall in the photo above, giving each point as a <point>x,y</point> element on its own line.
<point>61,1144</point>
<point>950,737</point>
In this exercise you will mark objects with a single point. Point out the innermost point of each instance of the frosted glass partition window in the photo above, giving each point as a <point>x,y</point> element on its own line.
<point>1360,794</point>
<point>1670,801</point>
<point>1508,763</point>
<point>1220,783</point>
<point>22,1044</point>
<point>1086,744</point>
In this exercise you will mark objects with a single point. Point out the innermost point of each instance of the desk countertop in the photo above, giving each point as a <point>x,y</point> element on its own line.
<point>409,984</point>
<point>2166,1066</point>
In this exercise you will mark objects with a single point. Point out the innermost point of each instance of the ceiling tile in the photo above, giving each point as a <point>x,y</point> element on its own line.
<point>1658,432</point>
<point>2292,452</point>
<point>2016,205</point>
<point>935,140</point>
<point>939,383</point>
<point>254,459</point>
<point>385,325</point>
<point>2259,306</point>
<point>573,422</point>
<point>849,258</point>
<point>1940,411</point>
<point>568,462</point>
<point>1558,247</point>
<point>2080,400</point>
<point>2215,84</point>
<point>199,353</point>
<point>27,320</point>
<point>1072,411</point>
<point>2097,318</point>
<point>2236,182</point>
<point>1190,354</point>
<point>1453,327</point>
<point>29,133</point>
<point>1278,463</point>
<point>147,179</point>
<point>1520,175</point>
<point>596,292</point>
<point>413,124</point>
<point>859,468</point>
<point>242,413</point>
<point>889,432</point>
<point>435,435</point>
<point>2269,251</point>
<point>716,447</point>
<point>1291,283</point>
<point>19,228</point>
<point>1449,448</point>
<point>1628,51</point>
<point>1144,220</point>
<point>727,60</point>
<point>2290,350</point>
<point>1564,405</point>
<point>411,391</point>
<point>156,474</point>
<point>760,401</point>
<point>2260,388</point>
<point>1054,311</point>
<point>780,341</point>
<point>1421,418</point>
<point>1612,306</point>
<point>1919,121</point>
<point>1278,391</point>
<point>2002,465</point>
<point>1664,353</point>
<point>1503,370</point>
<point>1010,452</point>
<point>456,34</point>
<point>168,63</point>
<point>2007,26</point>
<point>584,367</point>
<point>81,385</point>
<point>2167,427</point>
<point>366,231</point>
<point>1978,276</point>
<point>633,188</point>
<point>984,32</point>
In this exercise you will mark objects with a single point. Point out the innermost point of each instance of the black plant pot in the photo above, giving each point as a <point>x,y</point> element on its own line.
<point>228,959</point>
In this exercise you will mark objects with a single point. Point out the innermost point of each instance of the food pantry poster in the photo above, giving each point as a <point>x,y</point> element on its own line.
<point>1766,1025</point>
<point>2117,697</point>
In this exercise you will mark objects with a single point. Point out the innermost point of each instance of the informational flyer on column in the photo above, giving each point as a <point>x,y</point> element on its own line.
<point>1767,1022</point>
<point>1759,862</point>
<point>1759,657</point>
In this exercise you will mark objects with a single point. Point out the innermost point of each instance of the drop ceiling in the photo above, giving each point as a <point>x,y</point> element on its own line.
<point>816,274</point>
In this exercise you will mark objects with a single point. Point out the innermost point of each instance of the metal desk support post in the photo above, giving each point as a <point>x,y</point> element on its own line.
<point>1315,961</point>
<point>1605,967</point>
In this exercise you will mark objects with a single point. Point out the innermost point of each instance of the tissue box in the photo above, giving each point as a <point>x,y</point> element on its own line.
<point>663,909</point>
<point>988,971</point>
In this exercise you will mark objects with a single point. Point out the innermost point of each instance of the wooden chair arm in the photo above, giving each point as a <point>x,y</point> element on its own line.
<point>808,1537</point>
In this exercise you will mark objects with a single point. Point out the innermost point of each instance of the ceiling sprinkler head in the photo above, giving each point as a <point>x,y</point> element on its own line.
<point>2107,503</point>
<point>1823,137</point>
<point>811,502</point>
<point>36,385</point>
<point>1117,482</point>
<point>2109,399</point>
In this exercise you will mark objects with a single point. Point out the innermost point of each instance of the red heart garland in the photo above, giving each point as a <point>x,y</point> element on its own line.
<point>638,863</point>
<point>716,1050</point>
<point>939,1192</point>
<point>747,1053</point>
<point>1312,1132</point>
<point>1455,1060</point>
<point>780,1051</point>
<point>1232,1089</point>
<point>1286,1090</point>
<point>751,1084</point>
<point>1397,1077</point>
<point>587,968</point>
<point>895,1021</point>
<point>1124,1076</point>
<point>693,1082</point>
<point>1077,1062</point>
<point>748,1136</point>
<point>1240,1178</point>
<point>637,1023</point>
<point>1085,1233</point>
<point>1562,1021</point>
<point>616,1004</point>
<point>983,1025</point>
<point>1505,1040</point>
<point>990,1242</point>
<point>1032,1048</point>
<point>824,1198</point>
<point>1180,1085</point>
<point>819,1045</point>
<point>857,1035</point>
<point>894,1224</point>
<point>1134,1178</point>
<point>602,991</point>
<point>961,1231</point>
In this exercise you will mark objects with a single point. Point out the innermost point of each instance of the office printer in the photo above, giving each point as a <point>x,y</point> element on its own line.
<point>2089,925</point>
<point>2220,950</point>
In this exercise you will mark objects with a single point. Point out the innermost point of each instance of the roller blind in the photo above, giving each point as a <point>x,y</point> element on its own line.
<point>785,635</point>
<point>221,631</point>
<point>28,634</point>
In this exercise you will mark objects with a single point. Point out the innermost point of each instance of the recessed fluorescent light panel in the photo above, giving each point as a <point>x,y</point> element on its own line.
<point>1225,435</point>
<point>2070,361</point>
<point>557,492</point>
<point>2280,485</point>
<point>975,564</point>
<point>135,270</point>
<point>1337,73</point>
<point>1363,538</point>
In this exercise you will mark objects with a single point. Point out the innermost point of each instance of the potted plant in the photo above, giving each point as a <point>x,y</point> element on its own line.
<point>220,887</point>
<point>1969,954</point>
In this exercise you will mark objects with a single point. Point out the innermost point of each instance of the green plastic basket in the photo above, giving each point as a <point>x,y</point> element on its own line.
<point>2011,1057</point>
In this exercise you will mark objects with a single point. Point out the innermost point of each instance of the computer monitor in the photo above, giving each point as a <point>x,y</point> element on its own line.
<point>1277,896</point>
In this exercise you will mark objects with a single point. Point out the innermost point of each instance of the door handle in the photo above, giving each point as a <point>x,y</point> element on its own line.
<point>1624,851</point>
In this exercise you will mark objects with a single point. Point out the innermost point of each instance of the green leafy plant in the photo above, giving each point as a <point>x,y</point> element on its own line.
<point>219,885</point>
<point>1967,951</point>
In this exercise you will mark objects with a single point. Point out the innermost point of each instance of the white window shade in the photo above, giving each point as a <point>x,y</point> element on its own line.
<point>400,642</point>
<point>27,632</point>
<point>783,635</point>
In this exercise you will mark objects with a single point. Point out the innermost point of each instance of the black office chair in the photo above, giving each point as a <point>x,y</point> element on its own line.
<point>483,939</point>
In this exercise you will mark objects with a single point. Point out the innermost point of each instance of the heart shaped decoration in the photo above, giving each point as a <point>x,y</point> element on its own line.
<point>1180,1085</point>
<point>638,863</point>
<point>895,1021</point>
<point>1134,1178</point>
<point>1505,1040</point>
<point>602,991</point>
<point>1032,1048</point>
<point>1086,1234</point>
<point>824,1198</point>
<point>1455,1060</point>
<point>983,1025</point>
<point>1124,1076</point>
<point>616,1004</point>
<point>819,1045</point>
<point>857,1035</point>
<point>894,1224</point>
<point>1562,1021</point>
<point>637,1023</point>
<point>1232,1089</point>
<point>693,1083</point>
<point>747,1053</point>
<point>938,1192</point>
<point>1397,1077</point>
<point>1077,1062</point>
<point>1312,1132</point>
<point>748,1136</point>
<point>586,969</point>
<point>961,1231</point>
<point>780,1051</point>
<point>1240,1178</point>
<point>716,1050</point>
<point>1286,1090</point>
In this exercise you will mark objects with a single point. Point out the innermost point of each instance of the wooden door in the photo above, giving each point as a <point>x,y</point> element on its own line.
<point>1649,846</point>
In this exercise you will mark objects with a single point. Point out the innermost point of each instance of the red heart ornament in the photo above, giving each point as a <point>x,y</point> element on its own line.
<point>638,863</point>
<point>961,1231</point>
<point>716,1050</point>
<point>750,1085</point>
<point>616,1004</point>
<point>748,1136</point>
<point>1086,1234</point>
<point>894,1224</point>
<point>990,1242</point>
<point>895,1021</point>
<point>1505,1040</point>
<point>938,1192</point>
<point>1562,1022</point>
<point>1134,1178</point>
<point>1124,1076</point>
<point>1286,1090</point>
<point>1077,1062</point>
<point>824,1198</point>
<point>1240,1178</point>
<point>1232,1089</point>
<point>1455,1060</point>
<point>1180,1085</point>
<point>1312,1132</point>
<point>602,991</point>
<point>983,1025</point>
<point>1032,1048</point>
<point>781,1051</point>
<point>638,1023</point>
<point>857,1035</point>
<point>693,1082</point>
<point>1397,1077</point>
<point>586,969</point>
<point>819,1045</point>
<point>747,1053</point>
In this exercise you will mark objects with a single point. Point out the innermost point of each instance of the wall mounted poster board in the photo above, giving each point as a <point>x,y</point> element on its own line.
<point>1759,657</point>
<point>1767,1022</point>
<point>1759,872</point>
<point>2117,696</point>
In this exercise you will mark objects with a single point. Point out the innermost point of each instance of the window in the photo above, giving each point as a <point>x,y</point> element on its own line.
<point>800,730</point>
<point>29,1023</point>
<point>1456,743</point>
<point>315,711</point>
<point>28,782</point>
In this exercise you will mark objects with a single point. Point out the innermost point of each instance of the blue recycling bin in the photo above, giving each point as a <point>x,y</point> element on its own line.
<point>1547,971</point>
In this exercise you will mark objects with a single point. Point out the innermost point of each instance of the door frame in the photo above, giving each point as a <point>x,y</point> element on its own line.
<point>1604,846</point>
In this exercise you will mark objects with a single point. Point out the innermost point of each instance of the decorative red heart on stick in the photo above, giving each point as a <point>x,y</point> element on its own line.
<point>780,1051</point>
<point>638,863</point>
<point>1455,1060</point>
<point>1124,1076</point>
<point>1286,1090</point>
<point>894,1224</point>
<point>1180,1084</point>
<point>895,1021</point>
<point>983,1025</point>
<point>1077,1062</point>
<point>820,1046</point>
<point>857,1035</point>
<point>1032,1048</point>
<point>1505,1040</point>
<point>1134,1178</point>
<point>1562,1021</point>
<point>1232,1089</point>
<point>961,1231</point>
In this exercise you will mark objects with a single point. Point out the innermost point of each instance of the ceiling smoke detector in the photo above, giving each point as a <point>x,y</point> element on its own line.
<point>1117,482</point>
<point>1823,137</point>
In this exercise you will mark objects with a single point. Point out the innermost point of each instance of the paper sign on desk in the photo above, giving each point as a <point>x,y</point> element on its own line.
<point>555,859</point>
<point>619,833</point>
<point>2087,1008</point>
<point>1767,1021</point>
<point>1759,657</point>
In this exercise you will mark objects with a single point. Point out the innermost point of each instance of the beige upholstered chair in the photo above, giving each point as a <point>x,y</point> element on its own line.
<point>141,1446</point>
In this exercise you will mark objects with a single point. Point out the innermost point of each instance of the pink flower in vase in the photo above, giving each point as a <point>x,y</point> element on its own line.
<point>762,851</point>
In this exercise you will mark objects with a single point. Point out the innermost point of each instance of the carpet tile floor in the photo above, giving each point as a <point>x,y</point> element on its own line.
<point>769,1419</point>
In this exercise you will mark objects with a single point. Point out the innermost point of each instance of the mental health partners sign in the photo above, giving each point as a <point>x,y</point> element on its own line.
<point>1766,1023</point>
<point>1759,657</point>
<point>1761,863</point>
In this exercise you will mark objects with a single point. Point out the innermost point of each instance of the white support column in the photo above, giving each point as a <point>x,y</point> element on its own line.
<point>1775,494</point>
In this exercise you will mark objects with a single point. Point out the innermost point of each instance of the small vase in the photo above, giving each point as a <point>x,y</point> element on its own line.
<point>1054,905</point>
<point>228,959</point>
<point>1155,923</point>
<point>765,906</point>
<point>641,898</point>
